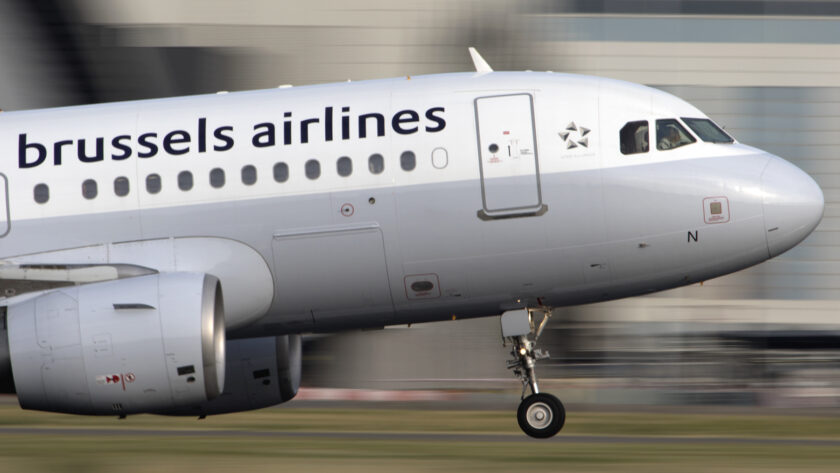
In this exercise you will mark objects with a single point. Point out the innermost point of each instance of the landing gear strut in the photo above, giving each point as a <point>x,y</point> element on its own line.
<point>540,415</point>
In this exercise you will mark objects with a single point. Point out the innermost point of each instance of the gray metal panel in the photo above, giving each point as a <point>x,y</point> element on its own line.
<point>332,273</point>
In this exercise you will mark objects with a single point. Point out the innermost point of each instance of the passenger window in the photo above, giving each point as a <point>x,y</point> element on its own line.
<point>41,193</point>
<point>376,163</point>
<point>313,169</point>
<point>249,175</point>
<point>344,166</point>
<point>121,186</point>
<point>408,161</point>
<point>185,180</point>
<point>281,172</point>
<point>89,189</point>
<point>217,178</point>
<point>440,158</point>
<point>634,137</point>
<point>670,134</point>
<point>153,183</point>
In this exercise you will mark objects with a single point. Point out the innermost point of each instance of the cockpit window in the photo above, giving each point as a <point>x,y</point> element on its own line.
<point>670,134</point>
<point>707,130</point>
<point>634,137</point>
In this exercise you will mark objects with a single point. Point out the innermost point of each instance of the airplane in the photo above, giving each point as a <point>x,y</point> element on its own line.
<point>165,256</point>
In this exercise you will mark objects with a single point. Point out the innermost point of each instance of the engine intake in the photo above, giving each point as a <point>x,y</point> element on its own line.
<point>128,346</point>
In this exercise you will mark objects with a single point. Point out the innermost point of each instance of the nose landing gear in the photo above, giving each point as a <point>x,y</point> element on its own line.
<point>540,415</point>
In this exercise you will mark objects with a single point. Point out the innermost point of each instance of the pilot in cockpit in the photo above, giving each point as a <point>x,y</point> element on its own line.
<point>670,140</point>
<point>669,136</point>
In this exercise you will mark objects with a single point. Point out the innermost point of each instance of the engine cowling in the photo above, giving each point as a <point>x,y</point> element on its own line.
<point>259,372</point>
<point>128,346</point>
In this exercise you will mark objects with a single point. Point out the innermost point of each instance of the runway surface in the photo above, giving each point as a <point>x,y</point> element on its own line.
<point>420,439</point>
<point>425,437</point>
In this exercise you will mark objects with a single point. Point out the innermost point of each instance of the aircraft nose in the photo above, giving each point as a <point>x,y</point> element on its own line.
<point>793,205</point>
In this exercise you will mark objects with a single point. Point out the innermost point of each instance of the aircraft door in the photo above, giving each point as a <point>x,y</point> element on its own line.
<point>508,162</point>
<point>5,216</point>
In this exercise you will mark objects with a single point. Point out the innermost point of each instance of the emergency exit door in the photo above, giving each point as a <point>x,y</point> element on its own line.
<point>507,150</point>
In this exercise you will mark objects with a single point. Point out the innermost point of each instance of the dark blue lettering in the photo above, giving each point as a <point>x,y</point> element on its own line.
<point>202,135</point>
<point>430,115</point>
<point>380,124</point>
<point>227,141</point>
<point>151,147</point>
<point>287,128</point>
<point>345,124</point>
<point>81,151</point>
<point>23,149</point>
<point>304,129</point>
<point>328,124</point>
<point>126,150</point>
<point>57,150</point>
<point>175,138</point>
<point>264,138</point>
<point>405,116</point>
<point>179,142</point>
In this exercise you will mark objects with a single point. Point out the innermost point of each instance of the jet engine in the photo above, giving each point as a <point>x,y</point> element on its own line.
<point>142,344</point>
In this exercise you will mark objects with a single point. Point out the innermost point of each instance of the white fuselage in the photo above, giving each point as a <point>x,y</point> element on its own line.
<point>461,195</point>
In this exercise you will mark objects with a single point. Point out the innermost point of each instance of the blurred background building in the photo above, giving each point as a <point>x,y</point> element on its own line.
<point>768,70</point>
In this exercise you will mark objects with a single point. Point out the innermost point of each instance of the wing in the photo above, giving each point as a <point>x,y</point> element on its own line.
<point>17,279</point>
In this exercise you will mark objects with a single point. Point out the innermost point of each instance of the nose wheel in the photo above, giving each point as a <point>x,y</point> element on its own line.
<point>540,415</point>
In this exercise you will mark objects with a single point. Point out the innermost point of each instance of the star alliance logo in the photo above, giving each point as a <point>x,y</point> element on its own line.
<point>575,136</point>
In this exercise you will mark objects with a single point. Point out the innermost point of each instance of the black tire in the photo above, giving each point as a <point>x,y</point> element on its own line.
<point>541,415</point>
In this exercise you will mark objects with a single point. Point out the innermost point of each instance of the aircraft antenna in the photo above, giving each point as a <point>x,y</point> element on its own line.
<point>481,65</point>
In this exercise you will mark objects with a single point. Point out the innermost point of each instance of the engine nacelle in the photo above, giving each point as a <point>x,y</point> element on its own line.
<point>128,346</point>
<point>259,372</point>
